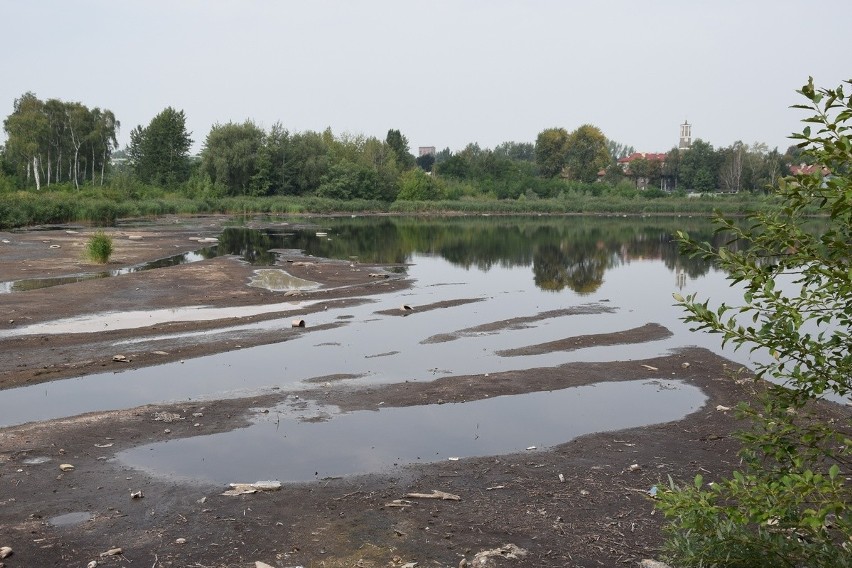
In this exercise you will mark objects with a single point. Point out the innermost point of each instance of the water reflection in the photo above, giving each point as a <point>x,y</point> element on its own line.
<point>564,252</point>
<point>288,449</point>
<point>251,245</point>
<point>512,266</point>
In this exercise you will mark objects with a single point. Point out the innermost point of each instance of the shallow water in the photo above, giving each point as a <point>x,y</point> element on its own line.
<point>38,283</point>
<point>638,289</point>
<point>132,319</point>
<point>69,519</point>
<point>284,448</point>
<point>513,268</point>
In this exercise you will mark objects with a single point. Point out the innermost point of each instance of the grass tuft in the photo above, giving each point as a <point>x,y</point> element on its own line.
<point>99,247</point>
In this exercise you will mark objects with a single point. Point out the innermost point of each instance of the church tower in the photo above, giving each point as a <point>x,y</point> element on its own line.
<point>685,136</point>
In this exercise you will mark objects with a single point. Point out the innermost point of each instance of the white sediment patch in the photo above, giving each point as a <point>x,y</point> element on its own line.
<point>277,280</point>
<point>107,321</point>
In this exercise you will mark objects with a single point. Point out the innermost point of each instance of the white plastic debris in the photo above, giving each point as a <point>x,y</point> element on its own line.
<point>247,488</point>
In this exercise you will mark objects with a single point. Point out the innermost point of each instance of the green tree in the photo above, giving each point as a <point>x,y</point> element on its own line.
<point>379,156</point>
<point>55,141</point>
<point>586,153</point>
<point>425,162</point>
<point>80,125</point>
<point>790,503</point>
<point>645,173</point>
<point>235,158</point>
<point>159,152</point>
<point>27,130</point>
<point>699,167</point>
<point>731,172</point>
<point>617,150</point>
<point>417,185</point>
<point>103,139</point>
<point>454,165</point>
<point>762,168</point>
<point>519,151</point>
<point>348,180</point>
<point>793,156</point>
<point>307,162</point>
<point>671,168</point>
<point>399,145</point>
<point>613,174</point>
<point>550,151</point>
<point>443,155</point>
<point>58,140</point>
<point>276,155</point>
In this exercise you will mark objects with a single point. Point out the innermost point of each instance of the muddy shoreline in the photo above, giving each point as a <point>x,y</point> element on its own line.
<point>580,503</point>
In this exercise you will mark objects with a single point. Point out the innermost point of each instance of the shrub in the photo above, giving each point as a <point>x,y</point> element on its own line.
<point>790,503</point>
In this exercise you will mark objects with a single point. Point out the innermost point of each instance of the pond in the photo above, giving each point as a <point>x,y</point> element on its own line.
<point>570,276</point>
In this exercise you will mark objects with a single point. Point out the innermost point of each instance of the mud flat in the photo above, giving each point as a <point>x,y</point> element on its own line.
<point>581,502</point>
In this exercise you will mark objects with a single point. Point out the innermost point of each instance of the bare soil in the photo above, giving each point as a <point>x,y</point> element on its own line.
<point>582,503</point>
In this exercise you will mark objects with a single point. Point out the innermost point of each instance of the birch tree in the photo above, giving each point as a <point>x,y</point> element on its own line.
<point>731,172</point>
<point>49,140</point>
<point>78,126</point>
<point>26,129</point>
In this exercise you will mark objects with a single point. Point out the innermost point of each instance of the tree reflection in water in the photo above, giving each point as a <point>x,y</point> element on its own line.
<point>564,252</point>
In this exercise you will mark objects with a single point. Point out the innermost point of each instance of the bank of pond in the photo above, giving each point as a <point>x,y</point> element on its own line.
<point>104,207</point>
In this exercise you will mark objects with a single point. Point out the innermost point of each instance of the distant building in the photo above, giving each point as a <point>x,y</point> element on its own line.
<point>668,181</point>
<point>685,136</point>
<point>427,151</point>
<point>807,169</point>
<point>650,156</point>
<point>644,180</point>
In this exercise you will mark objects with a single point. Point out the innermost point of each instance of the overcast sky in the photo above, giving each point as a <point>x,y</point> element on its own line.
<point>444,72</point>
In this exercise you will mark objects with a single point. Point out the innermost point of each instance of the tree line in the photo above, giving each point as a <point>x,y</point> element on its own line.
<point>702,168</point>
<point>55,141</point>
<point>60,142</point>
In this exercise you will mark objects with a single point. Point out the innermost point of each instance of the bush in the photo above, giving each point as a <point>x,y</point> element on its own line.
<point>99,247</point>
<point>790,504</point>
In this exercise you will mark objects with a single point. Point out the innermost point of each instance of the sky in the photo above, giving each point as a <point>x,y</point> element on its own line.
<point>444,72</point>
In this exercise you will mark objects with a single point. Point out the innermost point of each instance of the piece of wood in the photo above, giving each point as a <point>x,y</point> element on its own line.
<point>442,495</point>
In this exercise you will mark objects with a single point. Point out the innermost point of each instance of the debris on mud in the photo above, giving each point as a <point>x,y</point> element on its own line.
<point>249,488</point>
<point>442,495</point>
